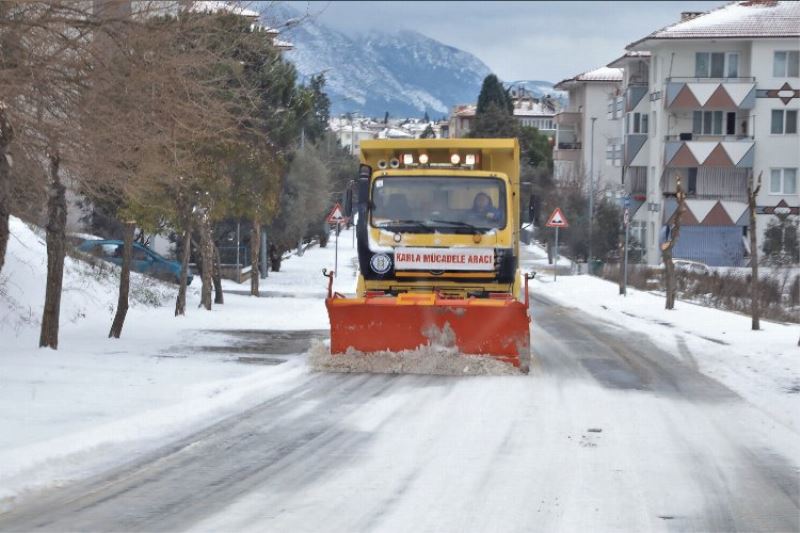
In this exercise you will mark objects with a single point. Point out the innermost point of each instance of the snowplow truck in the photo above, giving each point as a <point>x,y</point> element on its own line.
<point>438,231</point>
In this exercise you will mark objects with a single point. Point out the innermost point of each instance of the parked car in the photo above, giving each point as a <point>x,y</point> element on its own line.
<point>692,267</point>
<point>145,260</point>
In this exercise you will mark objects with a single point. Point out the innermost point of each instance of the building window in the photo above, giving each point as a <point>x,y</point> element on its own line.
<point>732,65</point>
<point>786,64</point>
<point>783,181</point>
<point>707,122</point>
<point>636,122</point>
<point>691,186</point>
<point>716,64</point>
<point>784,121</point>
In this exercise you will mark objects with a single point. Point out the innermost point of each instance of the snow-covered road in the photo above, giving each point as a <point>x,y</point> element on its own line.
<point>608,432</point>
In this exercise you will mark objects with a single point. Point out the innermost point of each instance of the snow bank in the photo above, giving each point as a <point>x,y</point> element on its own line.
<point>762,366</point>
<point>429,360</point>
<point>89,290</point>
<point>96,402</point>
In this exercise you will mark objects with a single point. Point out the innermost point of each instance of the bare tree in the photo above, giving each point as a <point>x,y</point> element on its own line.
<point>56,250</point>
<point>217,276</point>
<point>753,189</point>
<point>180,301</point>
<point>6,136</point>
<point>206,258</point>
<point>124,281</point>
<point>669,244</point>
<point>255,252</point>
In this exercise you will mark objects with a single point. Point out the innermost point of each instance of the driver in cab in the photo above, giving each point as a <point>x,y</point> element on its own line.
<point>483,209</point>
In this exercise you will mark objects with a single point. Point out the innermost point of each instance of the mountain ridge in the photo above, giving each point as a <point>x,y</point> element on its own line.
<point>404,73</point>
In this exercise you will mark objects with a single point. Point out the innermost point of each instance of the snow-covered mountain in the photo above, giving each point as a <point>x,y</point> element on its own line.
<point>404,73</point>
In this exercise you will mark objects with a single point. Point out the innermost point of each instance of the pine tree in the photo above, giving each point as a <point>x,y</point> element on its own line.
<point>493,92</point>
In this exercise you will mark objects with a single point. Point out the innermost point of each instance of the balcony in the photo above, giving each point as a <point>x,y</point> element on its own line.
<point>568,118</point>
<point>633,95</point>
<point>710,93</point>
<point>636,150</point>
<point>567,152</point>
<point>635,181</point>
<point>687,151</point>
<point>728,184</point>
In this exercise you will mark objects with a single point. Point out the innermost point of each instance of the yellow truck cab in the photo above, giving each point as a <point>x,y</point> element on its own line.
<point>441,214</point>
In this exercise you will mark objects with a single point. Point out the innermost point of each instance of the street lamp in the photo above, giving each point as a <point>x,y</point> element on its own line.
<point>591,193</point>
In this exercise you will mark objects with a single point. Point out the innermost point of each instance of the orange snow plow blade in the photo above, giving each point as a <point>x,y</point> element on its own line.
<point>492,327</point>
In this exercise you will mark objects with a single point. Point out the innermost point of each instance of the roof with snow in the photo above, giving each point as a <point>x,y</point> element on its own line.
<point>621,60</point>
<point>744,19</point>
<point>468,110</point>
<point>533,109</point>
<point>602,74</point>
<point>216,6</point>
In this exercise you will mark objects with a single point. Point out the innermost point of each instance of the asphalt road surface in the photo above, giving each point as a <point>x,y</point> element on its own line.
<point>607,433</point>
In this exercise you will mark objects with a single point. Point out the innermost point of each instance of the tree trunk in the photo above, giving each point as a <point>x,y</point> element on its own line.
<point>666,248</point>
<point>180,302</point>
<point>755,311</point>
<point>124,281</point>
<point>207,258</point>
<point>255,251</point>
<point>669,277</point>
<point>56,248</point>
<point>6,136</point>
<point>275,258</point>
<point>218,296</point>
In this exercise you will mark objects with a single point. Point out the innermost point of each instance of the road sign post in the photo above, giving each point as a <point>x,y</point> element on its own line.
<point>555,265</point>
<point>336,216</point>
<point>557,220</point>
<point>336,251</point>
<point>626,222</point>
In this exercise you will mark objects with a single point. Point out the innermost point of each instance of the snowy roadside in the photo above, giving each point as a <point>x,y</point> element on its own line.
<point>97,402</point>
<point>762,366</point>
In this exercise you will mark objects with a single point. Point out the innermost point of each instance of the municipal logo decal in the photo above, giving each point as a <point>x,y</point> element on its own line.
<point>380,263</point>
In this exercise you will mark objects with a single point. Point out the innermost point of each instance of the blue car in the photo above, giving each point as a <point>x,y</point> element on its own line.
<point>145,260</point>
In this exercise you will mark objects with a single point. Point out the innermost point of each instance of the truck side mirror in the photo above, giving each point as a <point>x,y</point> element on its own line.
<point>348,200</point>
<point>364,173</point>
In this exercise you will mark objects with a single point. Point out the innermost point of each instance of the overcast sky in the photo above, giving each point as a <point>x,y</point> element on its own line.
<point>517,40</point>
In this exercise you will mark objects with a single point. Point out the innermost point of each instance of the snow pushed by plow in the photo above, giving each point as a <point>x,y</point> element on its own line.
<point>433,359</point>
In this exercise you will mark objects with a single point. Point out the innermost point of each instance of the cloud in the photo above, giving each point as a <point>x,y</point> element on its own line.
<point>517,40</point>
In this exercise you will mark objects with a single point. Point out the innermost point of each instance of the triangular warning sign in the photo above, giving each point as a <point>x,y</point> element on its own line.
<point>557,219</point>
<point>335,215</point>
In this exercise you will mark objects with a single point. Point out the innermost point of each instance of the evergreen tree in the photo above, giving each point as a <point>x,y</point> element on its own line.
<point>781,244</point>
<point>386,118</point>
<point>428,133</point>
<point>426,118</point>
<point>493,92</point>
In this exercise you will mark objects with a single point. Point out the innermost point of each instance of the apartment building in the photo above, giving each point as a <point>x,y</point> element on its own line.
<point>585,129</point>
<point>712,100</point>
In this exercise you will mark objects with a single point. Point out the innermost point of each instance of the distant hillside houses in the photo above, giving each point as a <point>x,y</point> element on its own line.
<point>350,130</point>
<point>530,110</point>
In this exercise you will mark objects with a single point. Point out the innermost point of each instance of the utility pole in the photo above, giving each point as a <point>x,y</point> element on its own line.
<point>591,195</point>
<point>352,134</point>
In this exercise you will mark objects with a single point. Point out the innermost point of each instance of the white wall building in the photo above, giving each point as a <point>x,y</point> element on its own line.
<point>529,110</point>
<point>574,153</point>
<point>721,102</point>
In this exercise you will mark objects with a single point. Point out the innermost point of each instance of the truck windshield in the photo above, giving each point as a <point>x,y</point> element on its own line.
<point>448,204</point>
